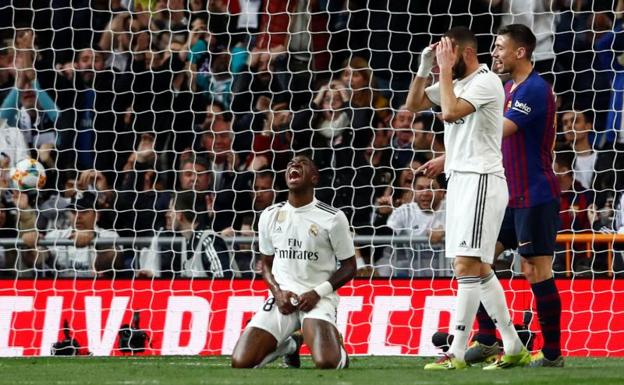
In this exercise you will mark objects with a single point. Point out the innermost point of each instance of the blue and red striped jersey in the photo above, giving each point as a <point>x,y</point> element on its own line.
<point>528,153</point>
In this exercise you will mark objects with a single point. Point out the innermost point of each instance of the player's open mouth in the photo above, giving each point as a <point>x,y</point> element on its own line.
<point>294,175</point>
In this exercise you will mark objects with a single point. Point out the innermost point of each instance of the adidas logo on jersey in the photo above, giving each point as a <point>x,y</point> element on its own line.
<point>463,244</point>
<point>278,229</point>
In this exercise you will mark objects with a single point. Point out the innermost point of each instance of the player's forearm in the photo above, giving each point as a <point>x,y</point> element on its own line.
<point>344,274</point>
<point>416,99</point>
<point>448,100</point>
<point>267,274</point>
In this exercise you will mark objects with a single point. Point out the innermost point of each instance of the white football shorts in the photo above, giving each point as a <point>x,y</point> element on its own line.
<point>475,208</point>
<point>282,326</point>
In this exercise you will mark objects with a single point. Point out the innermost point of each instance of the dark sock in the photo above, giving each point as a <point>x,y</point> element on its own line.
<point>487,330</point>
<point>549,314</point>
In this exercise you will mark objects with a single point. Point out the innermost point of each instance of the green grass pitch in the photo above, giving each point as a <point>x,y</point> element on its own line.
<point>363,371</point>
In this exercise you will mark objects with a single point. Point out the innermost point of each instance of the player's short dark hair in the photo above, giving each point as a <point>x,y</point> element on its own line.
<point>462,36</point>
<point>521,35</point>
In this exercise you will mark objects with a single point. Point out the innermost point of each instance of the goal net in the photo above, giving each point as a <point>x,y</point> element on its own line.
<point>164,127</point>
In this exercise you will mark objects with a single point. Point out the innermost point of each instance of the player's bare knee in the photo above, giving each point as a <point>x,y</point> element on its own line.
<point>467,266</point>
<point>238,363</point>
<point>327,362</point>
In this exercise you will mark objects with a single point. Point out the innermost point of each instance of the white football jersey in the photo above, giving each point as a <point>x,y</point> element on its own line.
<point>473,143</point>
<point>306,243</point>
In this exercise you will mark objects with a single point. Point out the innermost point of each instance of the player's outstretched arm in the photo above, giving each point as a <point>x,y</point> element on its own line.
<point>416,99</point>
<point>282,297</point>
<point>346,272</point>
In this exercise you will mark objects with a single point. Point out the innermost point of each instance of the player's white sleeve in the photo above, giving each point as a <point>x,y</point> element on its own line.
<point>482,91</point>
<point>340,237</point>
<point>264,234</point>
<point>433,93</point>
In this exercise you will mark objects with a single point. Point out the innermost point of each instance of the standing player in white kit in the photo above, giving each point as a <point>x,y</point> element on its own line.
<point>307,253</point>
<point>472,99</point>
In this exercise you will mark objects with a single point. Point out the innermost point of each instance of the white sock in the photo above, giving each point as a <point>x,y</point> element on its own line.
<point>343,359</point>
<point>468,293</point>
<point>493,299</point>
<point>289,345</point>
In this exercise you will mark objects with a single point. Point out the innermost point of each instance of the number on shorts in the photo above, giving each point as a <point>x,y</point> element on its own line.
<point>268,305</point>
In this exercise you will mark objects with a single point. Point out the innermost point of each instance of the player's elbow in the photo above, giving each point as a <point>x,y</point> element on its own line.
<point>449,117</point>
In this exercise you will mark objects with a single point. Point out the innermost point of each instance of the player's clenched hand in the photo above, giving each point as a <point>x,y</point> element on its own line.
<point>432,168</point>
<point>284,303</point>
<point>446,54</point>
<point>308,300</point>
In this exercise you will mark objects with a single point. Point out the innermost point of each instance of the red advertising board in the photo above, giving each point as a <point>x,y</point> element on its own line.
<point>382,317</point>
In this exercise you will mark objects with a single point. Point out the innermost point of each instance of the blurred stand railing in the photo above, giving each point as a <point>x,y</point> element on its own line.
<point>572,243</point>
<point>588,241</point>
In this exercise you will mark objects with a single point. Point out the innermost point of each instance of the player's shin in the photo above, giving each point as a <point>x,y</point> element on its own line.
<point>493,299</point>
<point>549,313</point>
<point>288,346</point>
<point>468,293</point>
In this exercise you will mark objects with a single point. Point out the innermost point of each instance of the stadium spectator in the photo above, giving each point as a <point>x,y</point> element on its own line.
<point>12,149</point>
<point>195,174</point>
<point>83,258</point>
<point>293,38</point>
<point>428,133</point>
<point>402,137</point>
<point>226,177</point>
<point>77,90</point>
<point>358,77</point>
<point>139,202</point>
<point>54,213</point>
<point>379,156</point>
<point>577,208</point>
<point>7,68</point>
<point>262,196</point>
<point>32,110</point>
<point>578,67</point>
<point>322,125</point>
<point>195,252</point>
<point>577,128</point>
<point>8,230</point>
<point>116,39</point>
<point>424,217</point>
<point>609,47</point>
<point>271,144</point>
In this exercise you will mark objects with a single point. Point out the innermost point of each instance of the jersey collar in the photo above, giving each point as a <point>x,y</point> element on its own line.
<point>307,207</point>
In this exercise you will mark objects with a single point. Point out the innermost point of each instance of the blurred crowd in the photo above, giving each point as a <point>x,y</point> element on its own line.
<point>166,119</point>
